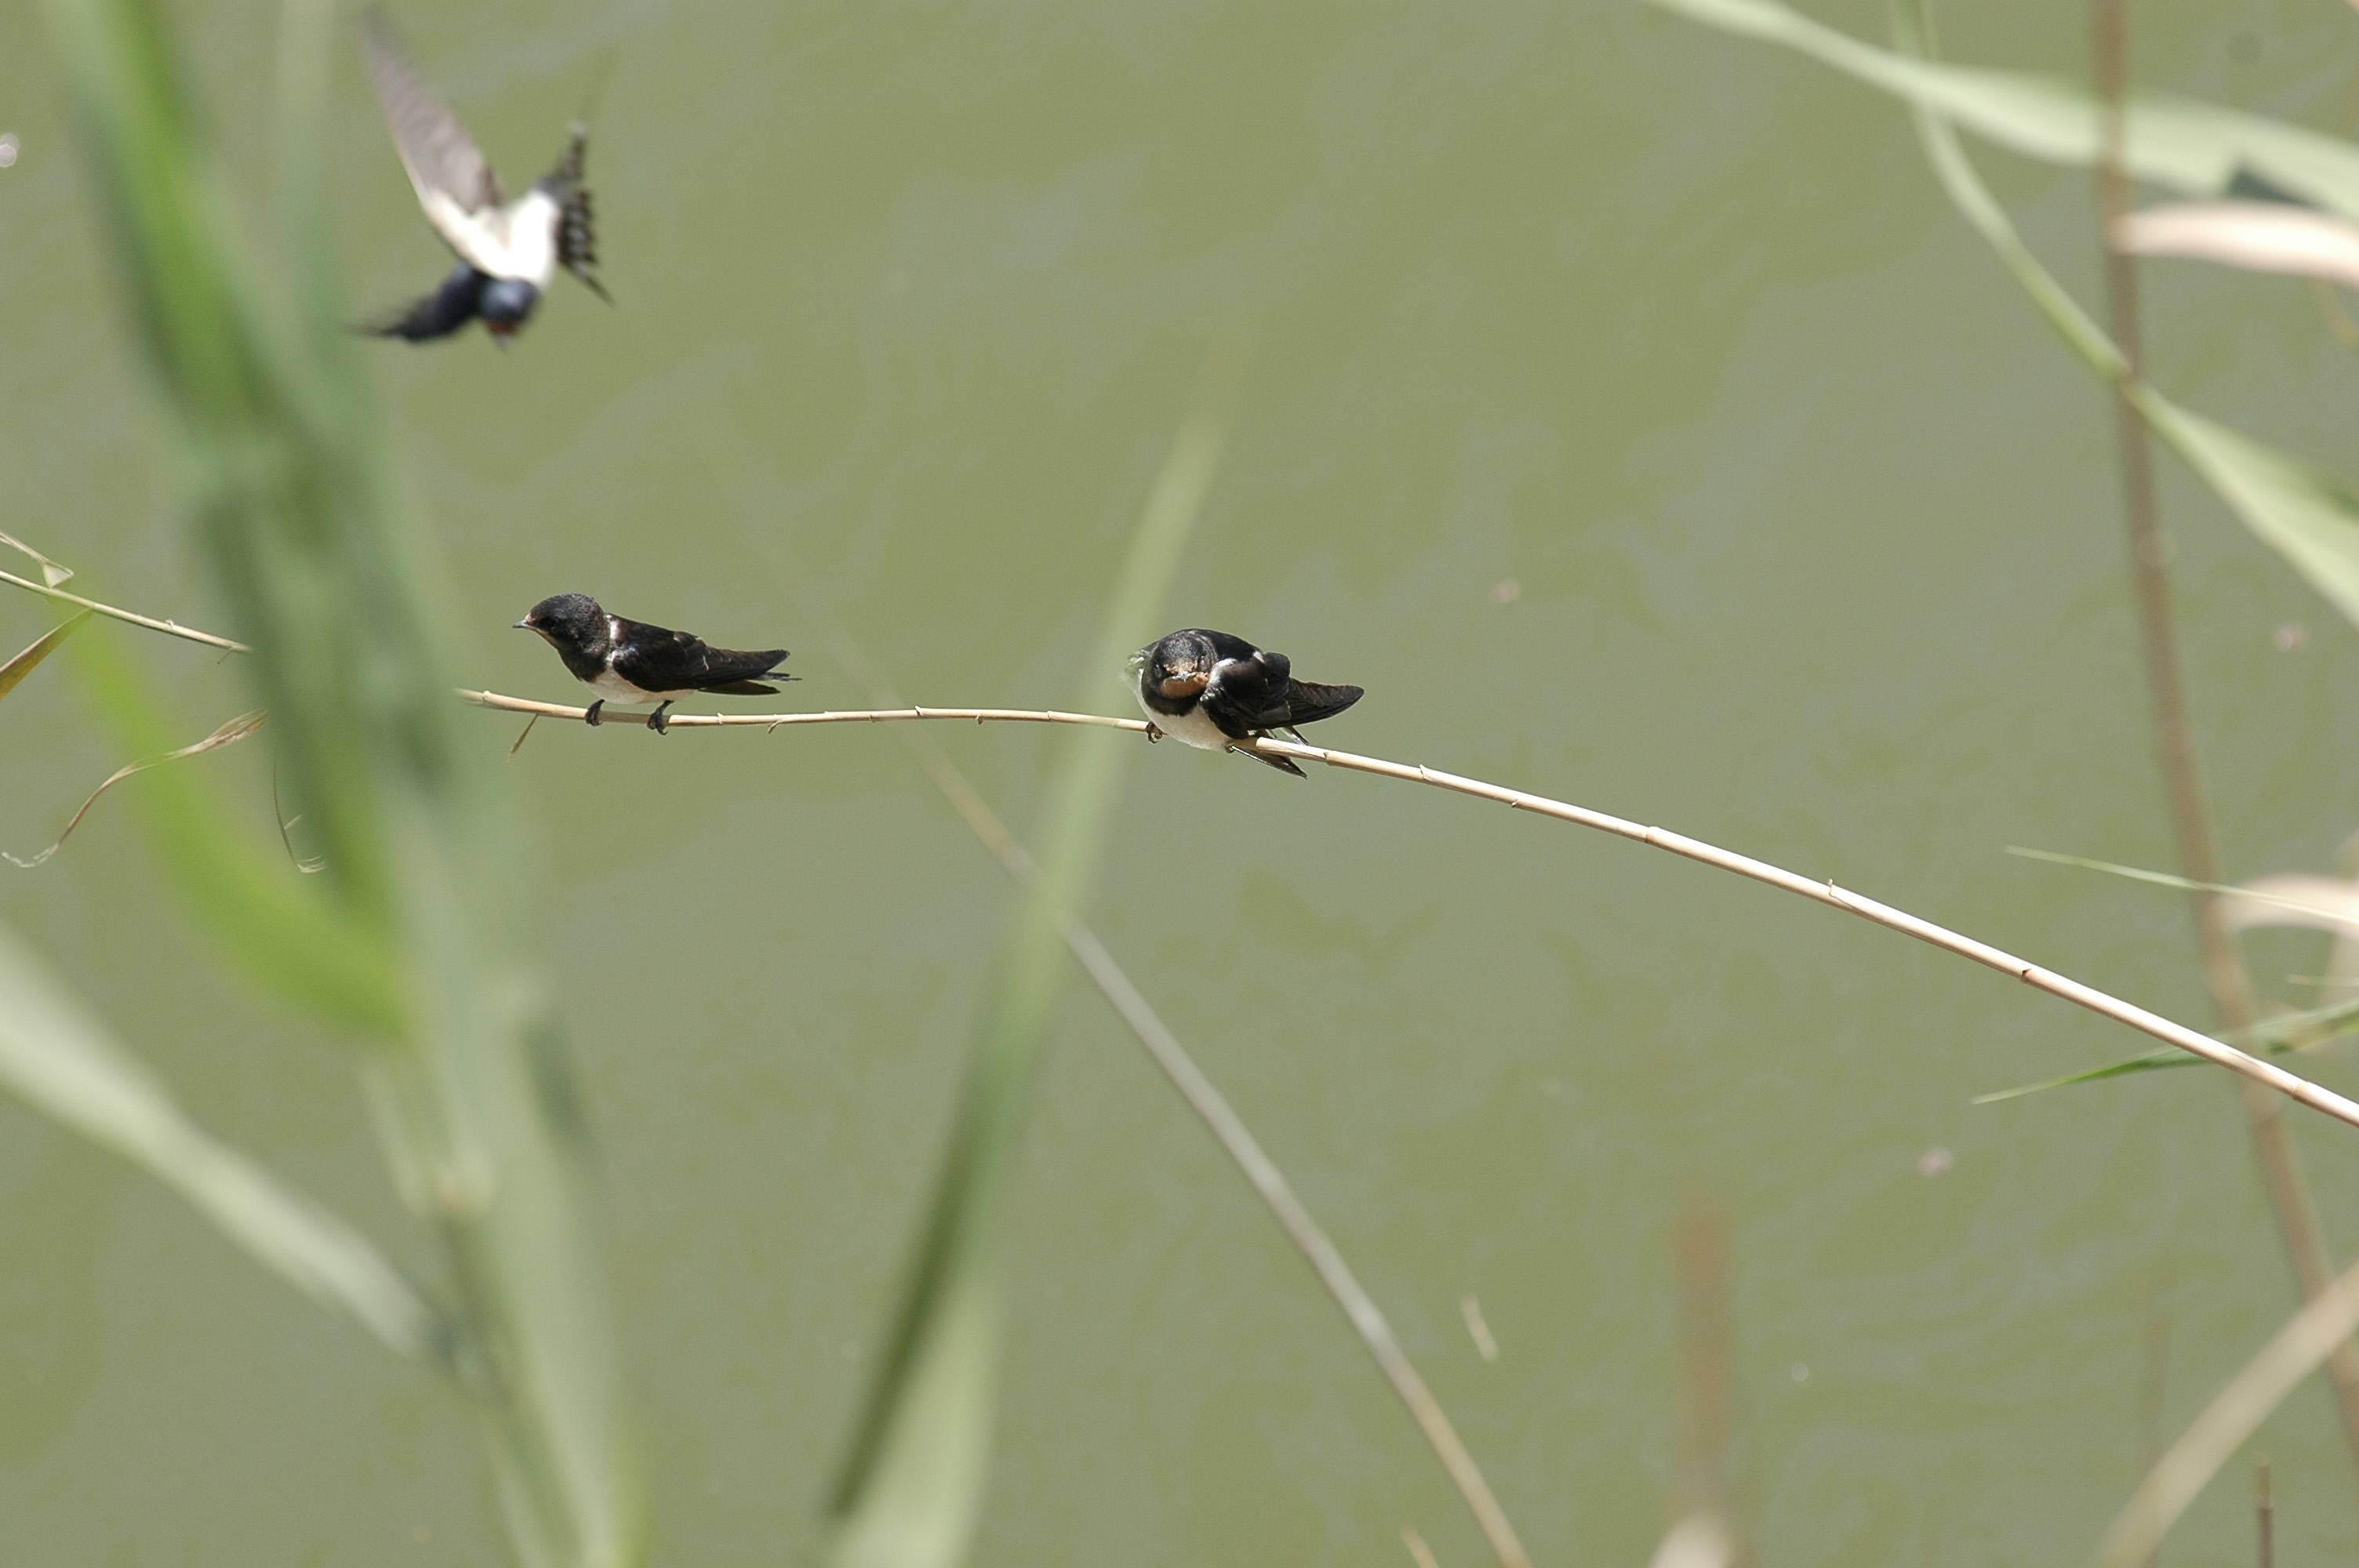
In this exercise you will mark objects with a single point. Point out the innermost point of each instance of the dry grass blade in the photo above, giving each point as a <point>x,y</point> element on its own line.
<point>169,628</point>
<point>2234,1414</point>
<point>59,1060</point>
<point>229,734</point>
<point>14,671</point>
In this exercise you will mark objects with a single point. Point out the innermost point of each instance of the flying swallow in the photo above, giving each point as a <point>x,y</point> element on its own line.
<point>508,251</point>
<point>630,661</point>
<point>1212,690</point>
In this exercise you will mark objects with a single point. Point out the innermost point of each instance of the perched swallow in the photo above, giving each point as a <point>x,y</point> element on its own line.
<point>630,661</point>
<point>508,251</point>
<point>1212,690</point>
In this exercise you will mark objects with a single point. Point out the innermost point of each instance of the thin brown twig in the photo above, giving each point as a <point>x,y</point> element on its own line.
<point>2224,975</point>
<point>1237,1139</point>
<point>2315,1096</point>
<point>2265,1512</point>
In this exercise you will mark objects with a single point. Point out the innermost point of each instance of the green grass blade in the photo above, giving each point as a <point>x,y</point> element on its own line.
<point>2310,517</point>
<point>2187,145</point>
<point>2279,1036</point>
<point>285,478</point>
<point>913,1480</point>
<point>2153,1060</point>
<point>14,671</point>
<point>2185,884</point>
<point>60,1061</point>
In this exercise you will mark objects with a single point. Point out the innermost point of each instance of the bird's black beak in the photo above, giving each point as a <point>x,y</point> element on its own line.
<point>521,626</point>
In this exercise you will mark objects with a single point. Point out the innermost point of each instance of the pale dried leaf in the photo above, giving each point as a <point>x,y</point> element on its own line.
<point>1699,1541</point>
<point>2259,236</point>
<point>51,573</point>
<point>2314,904</point>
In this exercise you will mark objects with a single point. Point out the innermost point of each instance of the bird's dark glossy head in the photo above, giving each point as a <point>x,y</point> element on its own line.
<point>507,304</point>
<point>566,618</point>
<point>1177,668</point>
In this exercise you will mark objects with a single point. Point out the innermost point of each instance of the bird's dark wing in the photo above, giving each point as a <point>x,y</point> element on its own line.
<point>1247,694</point>
<point>577,241</point>
<point>655,658</point>
<point>1308,701</point>
<point>726,670</point>
<point>435,315</point>
<point>446,168</point>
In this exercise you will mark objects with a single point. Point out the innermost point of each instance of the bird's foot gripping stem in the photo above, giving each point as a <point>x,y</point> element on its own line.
<point>591,717</point>
<point>1154,732</point>
<point>657,722</point>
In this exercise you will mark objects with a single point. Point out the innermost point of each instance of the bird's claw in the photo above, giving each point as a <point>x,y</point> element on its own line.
<point>591,716</point>
<point>657,722</point>
<point>1153,732</point>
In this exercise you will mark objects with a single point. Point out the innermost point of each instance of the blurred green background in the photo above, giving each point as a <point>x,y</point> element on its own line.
<point>1626,412</point>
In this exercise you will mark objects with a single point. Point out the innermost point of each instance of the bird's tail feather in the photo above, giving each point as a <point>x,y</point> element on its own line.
<point>1309,701</point>
<point>1283,764</point>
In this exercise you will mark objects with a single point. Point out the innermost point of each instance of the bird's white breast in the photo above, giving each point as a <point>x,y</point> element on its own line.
<point>1193,727</point>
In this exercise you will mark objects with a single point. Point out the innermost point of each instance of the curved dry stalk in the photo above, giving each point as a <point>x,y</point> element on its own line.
<point>1334,1272</point>
<point>1235,1139</point>
<point>230,733</point>
<point>2317,1096</point>
<point>169,628</point>
<point>2312,1335</point>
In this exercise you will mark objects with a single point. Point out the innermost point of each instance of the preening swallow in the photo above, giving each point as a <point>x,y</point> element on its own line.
<point>1212,690</point>
<point>508,251</point>
<point>630,661</point>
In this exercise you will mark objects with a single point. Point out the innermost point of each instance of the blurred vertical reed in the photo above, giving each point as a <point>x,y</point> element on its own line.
<point>913,1479</point>
<point>418,937</point>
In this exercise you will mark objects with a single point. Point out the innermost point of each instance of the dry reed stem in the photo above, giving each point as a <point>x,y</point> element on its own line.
<point>2234,1415</point>
<point>169,628</point>
<point>1228,1129</point>
<point>782,721</point>
<point>2224,975</point>
<point>2317,1096</point>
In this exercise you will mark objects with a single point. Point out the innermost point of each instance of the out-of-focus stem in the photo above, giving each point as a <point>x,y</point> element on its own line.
<point>2224,969</point>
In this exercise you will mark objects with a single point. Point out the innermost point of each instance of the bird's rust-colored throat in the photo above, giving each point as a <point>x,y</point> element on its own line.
<point>1177,687</point>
